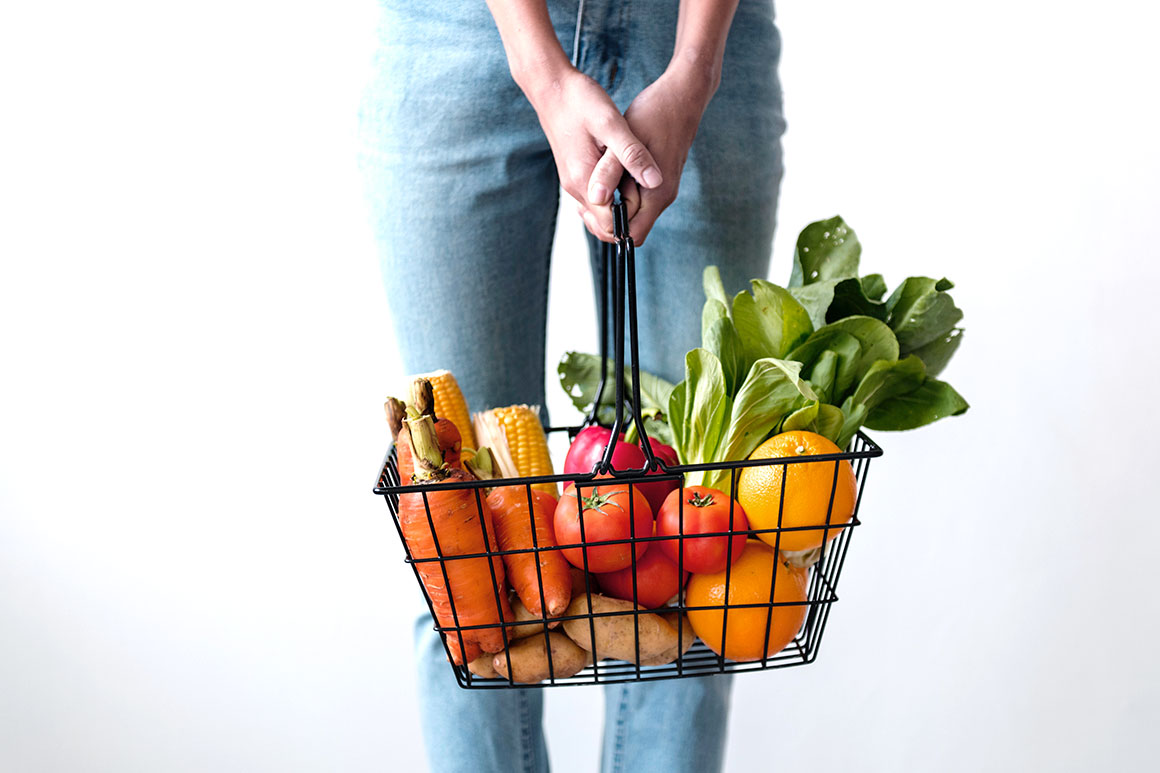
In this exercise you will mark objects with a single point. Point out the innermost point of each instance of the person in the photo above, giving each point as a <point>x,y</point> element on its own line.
<point>474,118</point>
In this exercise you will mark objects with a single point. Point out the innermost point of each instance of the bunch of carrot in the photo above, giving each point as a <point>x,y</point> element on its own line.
<point>460,528</point>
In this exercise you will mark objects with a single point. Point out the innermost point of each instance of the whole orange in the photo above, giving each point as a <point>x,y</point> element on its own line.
<point>749,583</point>
<point>807,491</point>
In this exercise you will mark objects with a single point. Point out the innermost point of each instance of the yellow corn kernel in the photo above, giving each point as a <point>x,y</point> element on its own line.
<point>450,405</point>
<point>517,439</point>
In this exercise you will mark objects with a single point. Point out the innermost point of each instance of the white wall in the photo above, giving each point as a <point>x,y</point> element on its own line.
<point>194,575</point>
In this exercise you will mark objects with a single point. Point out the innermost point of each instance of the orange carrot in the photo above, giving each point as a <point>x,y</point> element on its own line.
<point>423,402</point>
<point>462,590</point>
<point>513,531</point>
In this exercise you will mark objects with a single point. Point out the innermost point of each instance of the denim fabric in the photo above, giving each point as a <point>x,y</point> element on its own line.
<point>463,193</point>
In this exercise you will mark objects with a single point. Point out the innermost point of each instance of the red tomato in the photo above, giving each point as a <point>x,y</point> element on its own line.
<point>655,493</point>
<point>605,517</point>
<point>657,580</point>
<point>706,511</point>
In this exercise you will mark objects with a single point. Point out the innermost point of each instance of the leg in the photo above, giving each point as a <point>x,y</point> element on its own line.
<point>462,192</point>
<point>475,731</point>
<point>675,726</point>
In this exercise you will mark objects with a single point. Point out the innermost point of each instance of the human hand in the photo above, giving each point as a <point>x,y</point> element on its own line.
<point>665,117</point>
<point>583,126</point>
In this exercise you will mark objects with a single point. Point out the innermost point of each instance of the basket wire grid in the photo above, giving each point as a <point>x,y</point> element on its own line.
<point>699,659</point>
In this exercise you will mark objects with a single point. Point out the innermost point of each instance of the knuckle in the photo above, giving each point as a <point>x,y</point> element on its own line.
<point>633,154</point>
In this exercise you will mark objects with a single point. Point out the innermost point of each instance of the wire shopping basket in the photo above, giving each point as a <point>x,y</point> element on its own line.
<point>757,614</point>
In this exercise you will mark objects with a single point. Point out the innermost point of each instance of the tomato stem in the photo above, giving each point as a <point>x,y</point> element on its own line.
<point>700,501</point>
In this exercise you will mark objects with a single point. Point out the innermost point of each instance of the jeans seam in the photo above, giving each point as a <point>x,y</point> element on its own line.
<point>526,733</point>
<point>621,724</point>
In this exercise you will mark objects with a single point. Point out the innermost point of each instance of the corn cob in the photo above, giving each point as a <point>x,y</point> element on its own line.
<point>517,441</point>
<point>450,405</point>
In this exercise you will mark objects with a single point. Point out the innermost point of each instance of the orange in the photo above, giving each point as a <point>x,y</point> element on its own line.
<point>749,581</point>
<point>807,491</point>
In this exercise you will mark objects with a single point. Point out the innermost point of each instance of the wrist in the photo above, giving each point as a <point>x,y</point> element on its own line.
<point>697,71</point>
<point>540,72</point>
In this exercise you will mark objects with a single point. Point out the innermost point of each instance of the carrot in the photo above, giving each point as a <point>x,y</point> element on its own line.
<point>423,403</point>
<point>514,525</point>
<point>462,590</point>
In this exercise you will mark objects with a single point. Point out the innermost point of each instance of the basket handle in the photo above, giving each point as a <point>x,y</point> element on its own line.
<point>618,284</point>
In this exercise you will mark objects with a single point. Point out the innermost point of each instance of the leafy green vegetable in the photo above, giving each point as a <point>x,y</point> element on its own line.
<point>721,339</point>
<point>932,401</point>
<point>698,408</point>
<point>851,299</point>
<point>886,379</point>
<point>857,341</point>
<point>874,286</point>
<point>827,249</point>
<point>714,289</point>
<point>938,352</point>
<point>580,376</point>
<point>769,322</point>
<point>921,311</point>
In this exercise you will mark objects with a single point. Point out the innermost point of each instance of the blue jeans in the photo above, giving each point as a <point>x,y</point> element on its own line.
<point>463,195</point>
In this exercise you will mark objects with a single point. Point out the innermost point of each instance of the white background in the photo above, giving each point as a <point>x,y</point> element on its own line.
<point>194,575</point>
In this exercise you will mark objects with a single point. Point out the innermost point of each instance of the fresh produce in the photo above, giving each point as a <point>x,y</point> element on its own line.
<point>517,441</point>
<point>674,652</point>
<point>482,666</point>
<point>807,492</point>
<point>750,578</point>
<point>529,659</point>
<point>580,377</point>
<point>514,522</point>
<point>526,623</point>
<point>704,511</point>
<point>609,512</point>
<point>462,590</point>
<point>617,635</point>
<point>449,403</point>
<point>422,403</point>
<point>587,450</point>
<point>657,580</point>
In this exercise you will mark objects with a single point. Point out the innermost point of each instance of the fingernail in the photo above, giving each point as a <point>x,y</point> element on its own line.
<point>652,177</point>
<point>598,194</point>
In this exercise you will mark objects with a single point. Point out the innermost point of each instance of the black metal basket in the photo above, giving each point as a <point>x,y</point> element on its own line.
<point>699,659</point>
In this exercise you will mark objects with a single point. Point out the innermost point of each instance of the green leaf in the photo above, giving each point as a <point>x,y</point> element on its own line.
<point>721,339</point>
<point>580,376</point>
<point>884,380</point>
<point>829,421</point>
<point>700,406</point>
<point>824,373</point>
<point>802,418</point>
<point>714,289</point>
<point>712,311</point>
<point>769,322</point>
<point>922,311</point>
<point>659,430</point>
<point>815,299</point>
<point>851,299</point>
<point>932,401</point>
<point>874,286</point>
<point>872,341</point>
<point>938,352</point>
<point>773,389</point>
<point>827,249</point>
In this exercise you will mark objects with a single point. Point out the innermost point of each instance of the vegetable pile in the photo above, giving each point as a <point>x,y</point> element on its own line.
<point>782,372</point>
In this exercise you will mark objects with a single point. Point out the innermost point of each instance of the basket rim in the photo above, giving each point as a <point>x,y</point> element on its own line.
<point>871,450</point>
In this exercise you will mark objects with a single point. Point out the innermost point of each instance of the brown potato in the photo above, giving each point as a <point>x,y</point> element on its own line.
<point>530,625</point>
<point>482,666</point>
<point>669,655</point>
<point>529,659</point>
<point>616,636</point>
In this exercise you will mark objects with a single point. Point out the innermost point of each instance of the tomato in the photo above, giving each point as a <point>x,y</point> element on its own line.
<point>706,511</point>
<point>655,493</point>
<point>605,517</point>
<point>657,580</point>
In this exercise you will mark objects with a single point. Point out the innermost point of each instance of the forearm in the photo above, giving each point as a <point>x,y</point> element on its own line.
<point>535,57</point>
<point>699,50</point>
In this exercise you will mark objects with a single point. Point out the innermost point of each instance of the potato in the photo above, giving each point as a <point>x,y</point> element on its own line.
<point>482,666</point>
<point>616,635</point>
<point>669,655</point>
<point>529,659</point>
<point>530,625</point>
